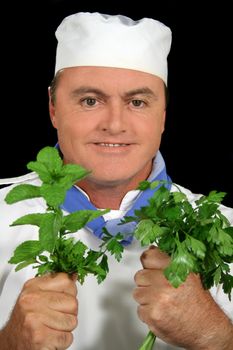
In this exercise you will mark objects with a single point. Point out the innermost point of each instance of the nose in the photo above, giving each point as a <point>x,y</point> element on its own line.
<point>114,119</point>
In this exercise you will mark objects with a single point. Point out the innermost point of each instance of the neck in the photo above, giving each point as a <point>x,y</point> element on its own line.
<point>106,196</point>
<point>109,194</point>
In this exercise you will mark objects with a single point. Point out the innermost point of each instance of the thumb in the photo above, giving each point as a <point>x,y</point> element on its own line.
<point>154,258</point>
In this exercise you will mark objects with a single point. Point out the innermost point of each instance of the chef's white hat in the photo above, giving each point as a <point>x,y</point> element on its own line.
<point>94,39</point>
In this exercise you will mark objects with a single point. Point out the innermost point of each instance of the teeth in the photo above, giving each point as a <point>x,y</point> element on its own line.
<point>113,144</point>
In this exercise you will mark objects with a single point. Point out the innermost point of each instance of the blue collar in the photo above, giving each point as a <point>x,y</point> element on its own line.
<point>77,200</point>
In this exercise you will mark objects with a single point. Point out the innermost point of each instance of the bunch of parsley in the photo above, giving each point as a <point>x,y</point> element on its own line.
<point>198,237</point>
<point>55,251</point>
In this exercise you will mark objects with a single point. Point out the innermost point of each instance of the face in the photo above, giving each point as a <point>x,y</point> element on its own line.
<point>110,121</point>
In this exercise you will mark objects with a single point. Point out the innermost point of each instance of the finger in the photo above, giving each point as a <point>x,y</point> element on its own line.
<point>142,278</point>
<point>58,320</point>
<point>144,313</point>
<point>150,277</point>
<point>60,282</point>
<point>61,302</point>
<point>140,295</point>
<point>153,258</point>
<point>47,338</point>
<point>38,300</point>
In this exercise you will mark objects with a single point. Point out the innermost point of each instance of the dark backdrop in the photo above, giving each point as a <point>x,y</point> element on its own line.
<point>197,143</point>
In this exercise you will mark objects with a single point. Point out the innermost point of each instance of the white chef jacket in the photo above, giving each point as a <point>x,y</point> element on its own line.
<point>107,311</point>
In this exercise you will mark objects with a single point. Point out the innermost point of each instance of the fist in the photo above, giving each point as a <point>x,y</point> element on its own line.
<point>45,314</point>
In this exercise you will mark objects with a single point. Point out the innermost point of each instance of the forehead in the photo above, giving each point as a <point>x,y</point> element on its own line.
<point>108,78</point>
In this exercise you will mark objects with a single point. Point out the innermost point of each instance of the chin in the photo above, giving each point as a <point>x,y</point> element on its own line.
<point>109,179</point>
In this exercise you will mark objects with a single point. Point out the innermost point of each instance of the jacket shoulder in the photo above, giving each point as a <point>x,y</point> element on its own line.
<point>18,179</point>
<point>20,208</point>
<point>192,197</point>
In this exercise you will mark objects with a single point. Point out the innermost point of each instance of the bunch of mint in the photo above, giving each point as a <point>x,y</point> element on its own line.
<point>55,251</point>
<point>198,237</point>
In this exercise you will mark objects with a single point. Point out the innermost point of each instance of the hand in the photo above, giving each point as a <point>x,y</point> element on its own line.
<point>186,316</point>
<point>44,316</point>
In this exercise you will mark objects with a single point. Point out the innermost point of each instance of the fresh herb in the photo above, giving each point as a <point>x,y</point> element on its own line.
<point>55,251</point>
<point>198,238</point>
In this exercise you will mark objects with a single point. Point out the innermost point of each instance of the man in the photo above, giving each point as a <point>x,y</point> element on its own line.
<point>108,105</point>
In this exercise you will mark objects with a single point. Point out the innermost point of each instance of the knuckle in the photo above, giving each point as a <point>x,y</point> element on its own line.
<point>28,300</point>
<point>138,275</point>
<point>28,283</point>
<point>65,339</point>
<point>74,306</point>
<point>141,313</point>
<point>143,256</point>
<point>136,294</point>
<point>37,337</point>
<point>67,282</point>
<point>164,300</point>
<point>142,278</point>
<point>72,322</point>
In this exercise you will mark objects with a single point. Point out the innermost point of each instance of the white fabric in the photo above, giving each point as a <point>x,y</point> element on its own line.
<point>94,39</point>
<point>107,312</point>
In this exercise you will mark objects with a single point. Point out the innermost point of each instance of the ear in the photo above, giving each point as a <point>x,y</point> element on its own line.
<point>52,110</point>
<point>163,121</point>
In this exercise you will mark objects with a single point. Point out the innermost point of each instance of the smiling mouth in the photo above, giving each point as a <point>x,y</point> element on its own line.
<point>103,144</point>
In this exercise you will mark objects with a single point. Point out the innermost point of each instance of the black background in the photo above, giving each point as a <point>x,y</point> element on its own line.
<point>197,144</point>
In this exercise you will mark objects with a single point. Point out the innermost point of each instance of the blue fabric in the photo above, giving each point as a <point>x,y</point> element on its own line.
<point>76,200</point>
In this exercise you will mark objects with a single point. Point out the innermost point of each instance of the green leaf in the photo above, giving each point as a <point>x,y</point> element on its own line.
<point>79,249</point>
<point>229,231</point>
<point>115,248</point>
<point>41,170</point>
<point>171,213</point>
<point>179,196</point>
<point>196,246</point>
<point>74,172</point>
<point>217,275</point>
<point>44,268</point>
<point>144,232</point>
<point>30,219</point>
<point>48,232</point>
<point>207,210</point>
<point>53,194</point>
<point>104,263</point>
<point>25,264</point>
<point>77,220</point>
<point>49,156</point>
<point>215,196</point>
<point>43,258</point>
<point>154,184</point>
<point>181,265</point>
<point>222,239</point>
<point>143,185</point>
<point>26,251</point>
<point>21,192</point>
<point>227,281</point>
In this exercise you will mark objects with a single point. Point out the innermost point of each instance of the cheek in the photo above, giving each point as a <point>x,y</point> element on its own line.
<point>151,130</point>
<point>69,125</point>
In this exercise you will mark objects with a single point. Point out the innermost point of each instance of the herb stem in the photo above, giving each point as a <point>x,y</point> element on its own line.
<point>148,342</point>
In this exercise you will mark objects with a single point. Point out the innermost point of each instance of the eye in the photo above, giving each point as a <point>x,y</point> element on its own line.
<point>89,101</point>
<point>138,103</point>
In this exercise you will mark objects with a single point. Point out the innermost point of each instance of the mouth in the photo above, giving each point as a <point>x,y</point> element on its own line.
<point>112,147</point>
<point>107,144</point>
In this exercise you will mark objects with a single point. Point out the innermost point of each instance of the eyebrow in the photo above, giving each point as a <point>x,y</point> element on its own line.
<point>92,90</point>
<point>82,90</point>
<point>141,91</point>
